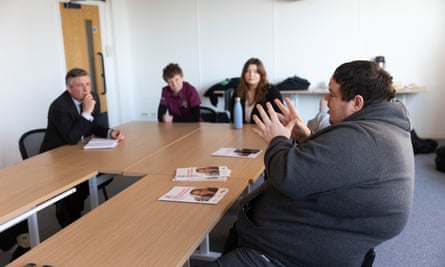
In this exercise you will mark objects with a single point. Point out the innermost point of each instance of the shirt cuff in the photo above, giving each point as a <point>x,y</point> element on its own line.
<point>87,116</point>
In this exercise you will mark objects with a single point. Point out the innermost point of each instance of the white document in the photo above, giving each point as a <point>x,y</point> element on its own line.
<point>237,152</point>
<point>100,143</point>
<point>206,195</point>
<point>207,173</point>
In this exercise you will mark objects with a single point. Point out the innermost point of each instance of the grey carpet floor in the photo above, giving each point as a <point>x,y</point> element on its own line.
<point>421,244</point>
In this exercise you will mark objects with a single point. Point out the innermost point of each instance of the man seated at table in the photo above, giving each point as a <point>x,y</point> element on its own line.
<point>71,117</point>
<point>341,191</point>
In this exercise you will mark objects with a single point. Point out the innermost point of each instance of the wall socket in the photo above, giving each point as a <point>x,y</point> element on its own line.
<point>151,116</point>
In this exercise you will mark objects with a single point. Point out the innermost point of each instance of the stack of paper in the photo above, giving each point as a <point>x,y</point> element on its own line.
<point>207,195</point>
<point>100,143</point>
<point>237,152</point>
<point>213,173</point>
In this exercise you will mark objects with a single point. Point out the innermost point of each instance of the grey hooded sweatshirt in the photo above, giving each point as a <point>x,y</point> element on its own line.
<point>331,198</point>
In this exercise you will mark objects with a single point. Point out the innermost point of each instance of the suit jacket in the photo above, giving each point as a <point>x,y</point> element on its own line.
<point>67,126</point>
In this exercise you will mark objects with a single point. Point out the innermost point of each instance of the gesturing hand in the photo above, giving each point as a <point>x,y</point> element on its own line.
<point>300,131</point>
<point>269,126</point>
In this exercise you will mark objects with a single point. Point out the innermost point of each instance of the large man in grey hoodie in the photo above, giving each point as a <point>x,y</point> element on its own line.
<point>339,192</point>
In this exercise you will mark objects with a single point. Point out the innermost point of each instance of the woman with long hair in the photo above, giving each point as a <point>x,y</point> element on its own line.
<point>254,88</point>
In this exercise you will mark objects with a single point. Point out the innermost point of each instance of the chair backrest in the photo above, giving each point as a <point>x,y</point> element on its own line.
<point>207,114</point>
<point>228,99</point>
<point>30,142</point>
<point>102,119</point>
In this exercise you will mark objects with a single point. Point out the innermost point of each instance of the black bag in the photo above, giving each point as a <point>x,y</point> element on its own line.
<point>293,83</point>
<point>422,146</point>
<point>440,159</point>
<point>222,117</point>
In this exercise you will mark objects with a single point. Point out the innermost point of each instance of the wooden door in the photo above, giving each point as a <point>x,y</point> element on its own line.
<point>83,45</point>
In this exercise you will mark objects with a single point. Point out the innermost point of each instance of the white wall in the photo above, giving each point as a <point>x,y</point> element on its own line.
<point>211,40</point>
<point>31,69</point>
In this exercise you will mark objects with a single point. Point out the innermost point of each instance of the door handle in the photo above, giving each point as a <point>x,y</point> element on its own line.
<point>103,72</point>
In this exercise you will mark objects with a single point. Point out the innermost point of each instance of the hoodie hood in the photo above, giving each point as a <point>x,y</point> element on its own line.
<point>394,113</point>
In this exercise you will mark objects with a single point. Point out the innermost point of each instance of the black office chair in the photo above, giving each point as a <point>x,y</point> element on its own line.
<point>228,94</point>
<point>207,114</point>
<point>29,145</point>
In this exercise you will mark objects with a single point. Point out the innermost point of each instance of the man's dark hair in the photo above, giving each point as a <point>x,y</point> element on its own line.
<point>73,73</point>
<point>171,70</point>
<point>364,78</point>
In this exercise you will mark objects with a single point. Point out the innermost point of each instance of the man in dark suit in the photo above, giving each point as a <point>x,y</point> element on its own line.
<point>71,117</point>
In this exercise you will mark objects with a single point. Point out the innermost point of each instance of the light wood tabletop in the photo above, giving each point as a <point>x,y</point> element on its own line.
<point>42,177</point>
<point>135,229</point>
<point>37,179</point>
<point>31,182</point>
<point>195,151</point>
<point>142,139</point>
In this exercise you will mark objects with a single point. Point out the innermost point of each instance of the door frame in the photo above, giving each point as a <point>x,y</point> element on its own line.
<point>108,51</point>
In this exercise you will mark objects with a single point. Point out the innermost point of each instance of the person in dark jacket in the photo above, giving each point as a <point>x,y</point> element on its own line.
<point>253,89</point>
<point>71,117</point>
<point>341,191</point>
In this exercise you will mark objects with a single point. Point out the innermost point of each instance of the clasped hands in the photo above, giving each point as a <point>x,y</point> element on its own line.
<point>167,118</point>
<point>273,124</point>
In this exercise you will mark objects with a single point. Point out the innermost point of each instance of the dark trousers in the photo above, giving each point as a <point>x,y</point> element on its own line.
<point>8,238</point>
<point>245,257</point>
<point>70,208</point>
<point>233,255</point>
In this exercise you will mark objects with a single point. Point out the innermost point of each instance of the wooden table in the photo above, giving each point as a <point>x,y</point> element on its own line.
<point>134,228</point>
<point>37,181</point>
<point>33,183</point>
<point>196,150</point>
<point>141,140</point>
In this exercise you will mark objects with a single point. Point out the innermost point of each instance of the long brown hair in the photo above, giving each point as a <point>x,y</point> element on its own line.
<point>263,85</point>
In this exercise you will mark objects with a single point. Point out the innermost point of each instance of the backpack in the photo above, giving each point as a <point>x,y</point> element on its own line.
<point>440,159</point>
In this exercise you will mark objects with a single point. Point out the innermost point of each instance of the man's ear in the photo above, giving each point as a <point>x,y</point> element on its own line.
<point>358,103</point>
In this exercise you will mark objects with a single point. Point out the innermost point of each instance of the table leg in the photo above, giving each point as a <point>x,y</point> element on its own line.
<point>33,229</point>
<point>187,263</point>
<point>94,196</point>
<point>204,252</point>
<point>31,216</point>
